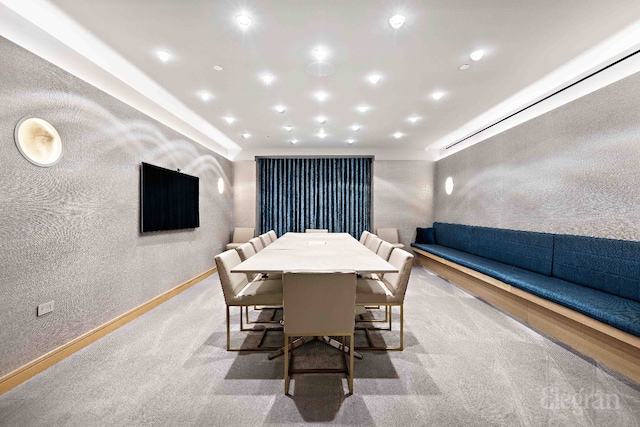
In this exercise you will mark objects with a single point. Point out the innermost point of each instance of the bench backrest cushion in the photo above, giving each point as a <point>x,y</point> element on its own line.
<point>525,249</point>
<point>609,265</point>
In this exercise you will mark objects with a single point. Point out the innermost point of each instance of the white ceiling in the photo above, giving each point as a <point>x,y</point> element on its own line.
<point>523,41</point>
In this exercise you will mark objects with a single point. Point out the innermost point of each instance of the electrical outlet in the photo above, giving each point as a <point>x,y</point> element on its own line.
<point>45,308</point>
<point>220,247</point>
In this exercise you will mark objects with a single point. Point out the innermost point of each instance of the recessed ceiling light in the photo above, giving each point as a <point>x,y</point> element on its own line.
<point>321,96</point>
<point>413,119</point>
<point>321,119</point>
<point>363,108</point>
<point>243,20</point>
<point>229,119</point>
<point>374,79</point>
<point>398,135</point>
<point>280,109</point>
<point>293,141</point>
<point>464,67</point>
<point>351,141</point>
<point>205,96</point>
<point>322,134</point>
<point>246,135</point>
<point>218,67</point>
<point>163,55</point>
<point>477,55</point>
<point>267,78</point>
<point>320,53</point>
<point>396,21</point>
<point>355,127</point>
<point>437,95</point>
<point>288,128</point>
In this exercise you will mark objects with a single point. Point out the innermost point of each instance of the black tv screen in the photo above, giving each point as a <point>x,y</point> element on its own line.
<point>169,200</point>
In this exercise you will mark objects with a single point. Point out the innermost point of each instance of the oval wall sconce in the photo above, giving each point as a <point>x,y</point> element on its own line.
<point>38,141</point>
<point>448,185</point>
<point>220,185</point>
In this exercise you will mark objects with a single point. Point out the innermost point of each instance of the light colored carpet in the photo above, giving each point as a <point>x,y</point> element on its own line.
<point>465,364</point>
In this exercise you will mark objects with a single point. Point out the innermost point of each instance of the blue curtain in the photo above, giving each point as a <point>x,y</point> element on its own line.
<point>299,193</point>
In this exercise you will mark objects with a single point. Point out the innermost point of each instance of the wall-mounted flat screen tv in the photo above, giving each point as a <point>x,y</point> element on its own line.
<point>169,200</point>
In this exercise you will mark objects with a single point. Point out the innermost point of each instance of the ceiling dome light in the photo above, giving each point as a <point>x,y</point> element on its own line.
<point>374,79</point>
<point>229,119</point>
<point>243,20</point>
<point>293,141</point>
<point>355,127</point>
<point>350,141</point>
<point>246,135</point>
<point>396,21</point>
<point>437,95</point>
<point>320,54</point>
<point>413,119</point>
<point>163,55</point>
<point>321,96</point>
<point>464,67</point>
<point>218,67</point>
<point>267,78</point>
<point>321,119</point>
<point>322,134</point>
<point>477,55</point>
<point>398,135</point>
<point>280,109</point>
<point>288,128</point>
<point>363,108</point>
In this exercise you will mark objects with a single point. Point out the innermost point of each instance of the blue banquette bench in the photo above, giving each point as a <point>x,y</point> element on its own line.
<point>561,284</point>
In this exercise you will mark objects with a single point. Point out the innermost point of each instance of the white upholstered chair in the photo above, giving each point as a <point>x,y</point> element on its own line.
<point>238,291</point>
<point>390,235</point>
<point>240,235</point>
<point>388,291</point>
<point>373,244</point>
<point>318,304</point>
<point>273,235</point>
<point>265,239</point>
<point>368,238</point>
<point>316,230</point>
<point>384,251</point>
<point>363,236</point>
<point>257,244</point>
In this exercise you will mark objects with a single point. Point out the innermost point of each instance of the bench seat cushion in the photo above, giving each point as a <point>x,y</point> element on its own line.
<point>615,311</point>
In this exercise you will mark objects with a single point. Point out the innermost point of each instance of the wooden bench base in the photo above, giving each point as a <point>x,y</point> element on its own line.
<point>612,347</point>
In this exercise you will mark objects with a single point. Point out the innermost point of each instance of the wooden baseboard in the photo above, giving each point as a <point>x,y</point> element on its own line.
<point>18,376</point>
<point>612,347</point>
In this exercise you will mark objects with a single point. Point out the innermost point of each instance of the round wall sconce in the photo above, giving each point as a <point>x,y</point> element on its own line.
<point>220,185</point>
<point>38,141</point>
<point>448,185</point>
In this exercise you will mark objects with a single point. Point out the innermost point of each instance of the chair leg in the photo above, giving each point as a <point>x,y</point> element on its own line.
<point>262,329</point>
<point>367,329</point>
<point>351,351</point>
<point>286,364</point>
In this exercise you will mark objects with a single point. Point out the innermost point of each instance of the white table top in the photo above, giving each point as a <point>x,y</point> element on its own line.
<point>315,252</point>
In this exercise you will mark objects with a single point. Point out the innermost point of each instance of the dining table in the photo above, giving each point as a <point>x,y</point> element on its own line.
<point>315,252</point>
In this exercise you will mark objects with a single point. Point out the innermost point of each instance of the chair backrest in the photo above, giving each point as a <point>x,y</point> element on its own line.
<point>388,234</point>
<point>316,230</point>
<point>257,244</point>
<point>265,239</point>
<point>397,282</point>
<point>232,283</point>
<point>246,250</point>
<point>368,238</point>
<point>319,303</point>
<point>363,236</point>
<point>384,251</point>
<point>242,234</point>
<point>374,244</point>
<point>273,235</point>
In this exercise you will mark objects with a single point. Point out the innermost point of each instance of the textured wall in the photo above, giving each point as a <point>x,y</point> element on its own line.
<point>574,170</point>
<point>402,195</point>
<point>70,233</point>
<point>244,194</point>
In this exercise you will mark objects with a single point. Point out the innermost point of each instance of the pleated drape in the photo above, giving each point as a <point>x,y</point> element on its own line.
<point>299,193</point>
